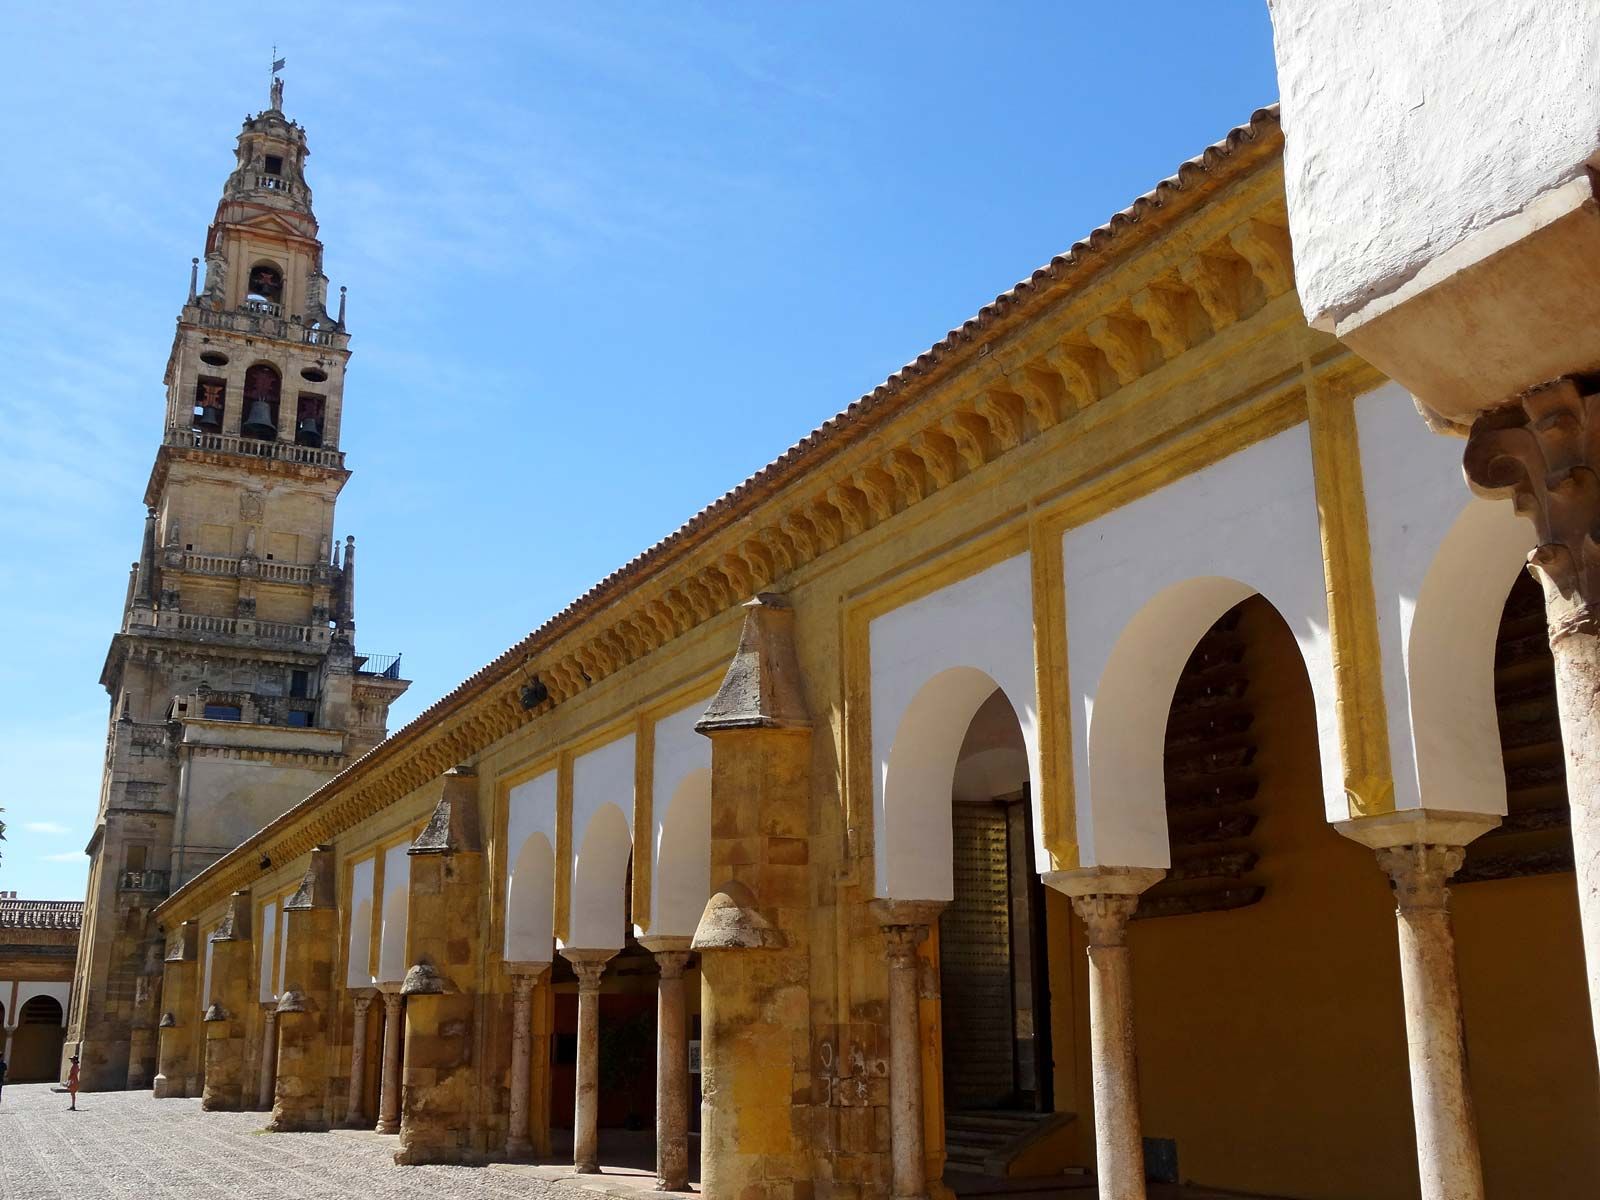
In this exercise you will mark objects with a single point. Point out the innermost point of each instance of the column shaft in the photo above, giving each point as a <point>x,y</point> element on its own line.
<point>1119,1145</point>
<point>389,1087</point>
<point>1447,1134</point>
<point>589,965</point>
<point>905,926</point>
<point>266,1084</point>
<point>353,1116</point>
<point>1577,658</point>
<point>672,1074</point>
<point>517,1142</point>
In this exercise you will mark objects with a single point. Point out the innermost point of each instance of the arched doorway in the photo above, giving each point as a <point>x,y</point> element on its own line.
<point>36,1045</point>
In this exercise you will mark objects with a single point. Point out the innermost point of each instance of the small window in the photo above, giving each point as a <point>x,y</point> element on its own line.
<point>274,164</point>
<point>135,858</point>
<point>299,718</point>
<point>299,684</point>
<point>209,401</point>
<point>222,712</point>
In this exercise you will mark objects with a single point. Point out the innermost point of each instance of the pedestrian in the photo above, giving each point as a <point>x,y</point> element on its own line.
<point>72,1084</point>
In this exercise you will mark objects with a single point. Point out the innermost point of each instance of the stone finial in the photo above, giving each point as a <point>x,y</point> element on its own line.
<point>168,1021</point>
<point>1543,452</point>
<point>339,320</point>
<point>453,828</point>
<point>731,921</point>
<point>185,943</point>
<point>144,590</point>
<point>215,1013</point>
<point>316,889</point>
<point>762,687</point>
<point>235,924</point>
<point>194,280</point>
<point>424,979</point>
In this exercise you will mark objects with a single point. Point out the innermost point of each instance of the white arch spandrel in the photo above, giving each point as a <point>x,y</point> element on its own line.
<point>602,841</point>
<point>933,664</point>
<point>1143,583</point>
<point>205,983</point>
<point>267,990</point>
<point>1442,563</point>
<point>392,965</point>
<point>531,866</point>
<point>358,953</point>
<point>680,877</point>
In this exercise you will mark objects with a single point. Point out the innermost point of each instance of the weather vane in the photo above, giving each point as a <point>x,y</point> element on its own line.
<point>277,84</point>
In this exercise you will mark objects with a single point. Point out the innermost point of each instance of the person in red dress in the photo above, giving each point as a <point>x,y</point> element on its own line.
<point>72,1084</point>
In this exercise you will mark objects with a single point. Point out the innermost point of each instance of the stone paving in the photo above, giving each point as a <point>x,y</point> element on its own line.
<point>121,1145</point>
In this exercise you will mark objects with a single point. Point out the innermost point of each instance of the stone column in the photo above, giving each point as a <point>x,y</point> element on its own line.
<point>394,1016</point>
<point>1105,898</point>
<point>524,979</point>
<point>589,966</point>
<point>905,926</point>
<point>672,1063</point>
<point>178,987</point>
<point>754,937</point>
<point>232,981</point>
<point>9,1030</point>
<point>1543,453</point>
<point>1419,851</point>
<point>354,1118</point>
<point>267,1084</point>
<point>306,1003</point>
<point>437,1120</point>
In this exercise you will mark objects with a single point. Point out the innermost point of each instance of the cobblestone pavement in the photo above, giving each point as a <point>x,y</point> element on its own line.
<point>121,1145</point>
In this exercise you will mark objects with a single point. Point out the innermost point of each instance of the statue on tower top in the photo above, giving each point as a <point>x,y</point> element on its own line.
<point>277,84</point>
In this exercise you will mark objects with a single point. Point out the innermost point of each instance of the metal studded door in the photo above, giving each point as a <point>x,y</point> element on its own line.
<point>975,964</point>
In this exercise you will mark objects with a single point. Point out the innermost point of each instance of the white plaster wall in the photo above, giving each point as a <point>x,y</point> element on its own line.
<point>1411,125</point>
<point>392,965</point>
<point>61,991</point>
<point>268,990</point>
<point>602,816</point>
<point>1143,584</point>
<point>7,1017</point>
<point>283,945</point>
<point>680,878</point>
<point>205,983</point>
<point>934,662</point>
<point>1442,563</point>
<point>530,866</point>
<point>358,955</point>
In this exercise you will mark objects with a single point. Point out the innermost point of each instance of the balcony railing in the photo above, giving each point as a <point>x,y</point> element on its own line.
<point>266,324</point>
<point>226,443</point>
<point>384,666</point>
<point>143,881</point>
<point>273,183</point>
<point>241,627</point>
<point>263,308</point>
<point>223,564</point>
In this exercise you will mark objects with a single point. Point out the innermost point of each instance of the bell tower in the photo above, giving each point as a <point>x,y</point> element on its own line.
<point>235,682</point>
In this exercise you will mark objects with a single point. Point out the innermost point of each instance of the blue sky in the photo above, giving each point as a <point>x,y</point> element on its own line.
<point>604,261</point>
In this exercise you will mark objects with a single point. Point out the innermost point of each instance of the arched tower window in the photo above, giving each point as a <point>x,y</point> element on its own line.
<point>210,398</point>
<point>265,292</point>
<point>262,386</point>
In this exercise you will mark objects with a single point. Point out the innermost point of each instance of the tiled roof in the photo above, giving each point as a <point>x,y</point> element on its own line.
<point>41,914</point>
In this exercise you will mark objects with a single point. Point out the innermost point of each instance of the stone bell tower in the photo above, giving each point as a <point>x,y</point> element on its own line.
<point>236,686</point>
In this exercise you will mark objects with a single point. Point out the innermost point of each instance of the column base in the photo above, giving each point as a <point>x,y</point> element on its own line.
<point>519,1148</point>
<point>585,1169</point>
<point>386,1127</point>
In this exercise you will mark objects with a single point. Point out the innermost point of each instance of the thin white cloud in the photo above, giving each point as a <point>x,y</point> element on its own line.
<point>45,827</point>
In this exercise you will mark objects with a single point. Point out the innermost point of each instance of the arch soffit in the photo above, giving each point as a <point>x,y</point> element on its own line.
<point>1177,559</point>
<point>392,965</point>
<point>1442,563</point>
<point>934,661</point>
<point>599,881</point>
<point>60,992</point>
<point>680,878</point>
<point>530,868</point>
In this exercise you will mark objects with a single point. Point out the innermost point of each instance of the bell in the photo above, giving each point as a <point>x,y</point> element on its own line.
<point>258,422</point>
<point>208,417</point>
<point>308,432</point>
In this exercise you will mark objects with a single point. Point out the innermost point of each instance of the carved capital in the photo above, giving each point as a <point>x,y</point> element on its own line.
<point>1542,452</point>
<point>905,925</point>
<point>589,966</point>
<point>1419,872</point>
<point>362,1001</point>
<point>391,1005</point>
<point>673,963</point>
<point>1106,916</point>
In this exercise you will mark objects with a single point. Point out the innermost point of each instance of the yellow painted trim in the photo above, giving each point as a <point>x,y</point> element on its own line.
<point>644,754</point>
<point>1057,808</point>
<point>1352,602</point>
<point>563,908</point>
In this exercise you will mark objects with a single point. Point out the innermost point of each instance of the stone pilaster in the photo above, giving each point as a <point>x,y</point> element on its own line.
<point>525,981</point>
<point>361,1005</point>
<point>754,937</point>
<point>227,1086</point>
<point>442,935</point>
<point>1105,899</point>
<point>394,1020</point>
<point>1543,453</point>
<point>1419,852</point>
<point>267,1076</point>
<point>589,966</point>
<point>175,1031</point>
<point>306,1004</point>
<point>905,926</point>
<point>672,1063</point>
